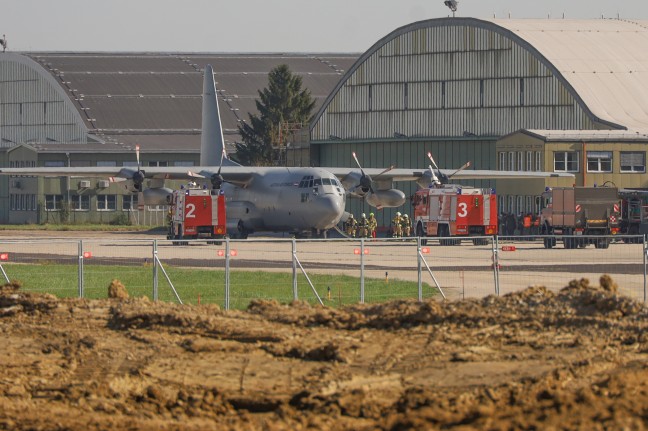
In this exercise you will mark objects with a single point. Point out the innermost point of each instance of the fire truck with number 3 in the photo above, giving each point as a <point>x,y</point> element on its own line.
<point>197,213</point>
<point>451,210</point>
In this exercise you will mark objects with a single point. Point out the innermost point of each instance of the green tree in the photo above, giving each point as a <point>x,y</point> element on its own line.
<point>282,102</point>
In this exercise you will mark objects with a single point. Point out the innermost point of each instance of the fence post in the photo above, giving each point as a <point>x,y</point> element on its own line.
<point>80,268</point>
<point>155,271</point>
<point>294,269</point>
<point>495,259</point>
<point>227,273</point>
<point>419,269</point>
<point>645,252</point>
<point>362,280</point>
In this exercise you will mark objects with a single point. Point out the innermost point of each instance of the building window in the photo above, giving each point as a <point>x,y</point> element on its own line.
<point>529,160</point>
<point>53,202</point>
<point>520,161</point>
<point>511,204</point>
<point>106,202</point>
<point>160,164</point>
<point>599,161</point>
<point>633,161</point>
<point>538,161</point>
<point>511,161</point>
<point>107,163</point>
<point>406,96</point>
<point>80,203</point>
<point>129,203</point>
<point>443,95</point>
<point>502,160</point>
<point>566,161</point>
<point>54,164</point>
<point>481,93</point>
<point>183,163</point>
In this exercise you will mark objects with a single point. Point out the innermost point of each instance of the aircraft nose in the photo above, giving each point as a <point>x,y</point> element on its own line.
<point>328,210</point>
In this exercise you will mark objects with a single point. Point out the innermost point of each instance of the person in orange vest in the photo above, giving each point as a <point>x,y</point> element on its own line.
<point>526,224</point>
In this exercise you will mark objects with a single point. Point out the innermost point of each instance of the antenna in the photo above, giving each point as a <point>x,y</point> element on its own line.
<point>452,4</point>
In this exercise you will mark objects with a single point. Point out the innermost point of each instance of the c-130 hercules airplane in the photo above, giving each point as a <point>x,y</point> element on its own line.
<point>299,200</point>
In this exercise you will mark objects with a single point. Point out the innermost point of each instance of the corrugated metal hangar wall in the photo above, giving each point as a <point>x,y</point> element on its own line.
<point>450,86</point>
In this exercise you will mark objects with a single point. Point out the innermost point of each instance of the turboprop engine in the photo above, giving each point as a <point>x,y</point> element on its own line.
<point>361,185</point>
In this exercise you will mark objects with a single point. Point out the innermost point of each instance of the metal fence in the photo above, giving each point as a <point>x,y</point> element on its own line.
<point>332,272</point>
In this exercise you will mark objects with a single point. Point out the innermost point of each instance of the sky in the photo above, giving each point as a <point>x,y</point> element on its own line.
<point>256,25</point>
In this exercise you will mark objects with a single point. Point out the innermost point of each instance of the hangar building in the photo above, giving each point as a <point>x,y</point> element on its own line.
<point>505,94</point>
<point>550,95</point>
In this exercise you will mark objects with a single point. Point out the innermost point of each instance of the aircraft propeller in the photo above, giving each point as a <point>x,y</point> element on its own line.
<point>441,178</point>
<point>364,187</point>
<point>138,176</point>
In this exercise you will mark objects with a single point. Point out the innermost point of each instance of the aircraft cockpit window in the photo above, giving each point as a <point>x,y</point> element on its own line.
<point>310,183</point>
<point>317,182</point>
<point>326,181</point>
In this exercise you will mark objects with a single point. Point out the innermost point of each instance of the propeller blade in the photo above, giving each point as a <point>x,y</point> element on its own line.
<point>429,154</point>
<point>137,156</point>
<point>466,165</point>
<point>357,162</point>
<point>385,171</point>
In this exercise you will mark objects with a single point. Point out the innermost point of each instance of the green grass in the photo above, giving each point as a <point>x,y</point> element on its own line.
<point>78,227</point>
<point>208,285</point>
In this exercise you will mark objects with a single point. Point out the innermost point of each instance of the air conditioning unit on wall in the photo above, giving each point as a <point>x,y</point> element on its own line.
<point>84,184</point>
<point>103,184</point>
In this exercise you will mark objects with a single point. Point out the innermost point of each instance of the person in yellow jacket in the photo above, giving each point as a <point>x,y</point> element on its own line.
<point>397,223</point>
<point>363,226</point>
<point>406,224</point>
<point>350,226</point>
<point>373,225</point>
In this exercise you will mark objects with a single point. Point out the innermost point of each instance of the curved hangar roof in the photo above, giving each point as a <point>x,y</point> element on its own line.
<point>154,99</point>
<point>578,74</point>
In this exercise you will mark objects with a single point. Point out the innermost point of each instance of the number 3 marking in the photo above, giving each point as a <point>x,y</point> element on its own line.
<point>190,211</point>
<point>463,209</point>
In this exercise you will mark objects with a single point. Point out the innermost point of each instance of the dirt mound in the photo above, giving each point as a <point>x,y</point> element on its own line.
<point>532,359</point>
<point>117,290</point>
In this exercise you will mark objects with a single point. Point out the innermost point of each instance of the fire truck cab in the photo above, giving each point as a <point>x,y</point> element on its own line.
<point>451,210</point>
<point>196,213</point>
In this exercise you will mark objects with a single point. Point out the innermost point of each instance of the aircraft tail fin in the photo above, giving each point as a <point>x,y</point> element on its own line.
<point>212,144</point>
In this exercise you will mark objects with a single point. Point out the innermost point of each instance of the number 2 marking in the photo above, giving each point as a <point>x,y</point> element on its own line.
<point>191,208</point>
<point>463,209</point>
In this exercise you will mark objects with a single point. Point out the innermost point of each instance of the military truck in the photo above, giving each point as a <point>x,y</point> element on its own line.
<point>579,216</point>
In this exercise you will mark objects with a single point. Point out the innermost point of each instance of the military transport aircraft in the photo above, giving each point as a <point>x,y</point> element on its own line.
<point>300,200</point>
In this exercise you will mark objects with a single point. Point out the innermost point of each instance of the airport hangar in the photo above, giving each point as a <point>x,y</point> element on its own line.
<point>551,95</point>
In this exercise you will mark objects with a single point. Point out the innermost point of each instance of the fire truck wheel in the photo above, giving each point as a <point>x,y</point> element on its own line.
<point>602,243</point>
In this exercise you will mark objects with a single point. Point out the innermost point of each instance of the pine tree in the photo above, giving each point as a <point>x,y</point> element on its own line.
<point>283,101</point>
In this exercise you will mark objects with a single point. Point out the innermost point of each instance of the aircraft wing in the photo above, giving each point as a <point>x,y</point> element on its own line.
<point>395,175</point>
<point>237,175</point>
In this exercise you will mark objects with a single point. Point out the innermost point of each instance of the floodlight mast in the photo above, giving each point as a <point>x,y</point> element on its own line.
<point>452,4</point>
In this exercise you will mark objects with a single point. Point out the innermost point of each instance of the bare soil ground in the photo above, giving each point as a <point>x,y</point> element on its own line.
<point>577,359</point>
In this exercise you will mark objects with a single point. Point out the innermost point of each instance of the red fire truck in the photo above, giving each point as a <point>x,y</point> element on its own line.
<point>197,213</point>
<point>450,210</point>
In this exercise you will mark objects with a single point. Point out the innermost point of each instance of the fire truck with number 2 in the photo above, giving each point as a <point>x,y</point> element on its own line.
<point>451,210</point>
<point>197,213</point>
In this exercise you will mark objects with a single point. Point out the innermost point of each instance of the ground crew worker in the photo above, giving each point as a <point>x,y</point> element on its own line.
<point>350,226</point>
<point>398,227</point>
<point>363,226</point>
<point>526,224</point>
<point>373,224</point>
<point>406,224</point>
